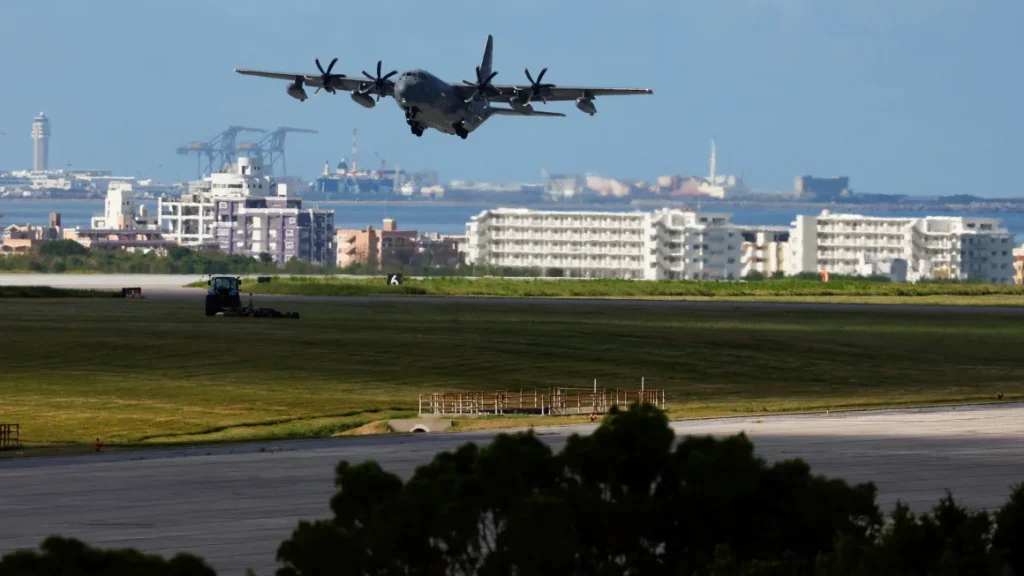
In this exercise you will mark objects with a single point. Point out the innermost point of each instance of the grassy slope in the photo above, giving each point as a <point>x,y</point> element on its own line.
<point>159,371</point>
<point>791,289</point>
<point>49,292</point>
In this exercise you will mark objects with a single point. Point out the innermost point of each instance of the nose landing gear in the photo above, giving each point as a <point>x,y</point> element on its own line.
<point>410,119</point>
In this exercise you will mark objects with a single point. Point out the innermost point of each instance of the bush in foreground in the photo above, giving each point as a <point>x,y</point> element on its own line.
<point>66,556</point>
<point>624,500</point>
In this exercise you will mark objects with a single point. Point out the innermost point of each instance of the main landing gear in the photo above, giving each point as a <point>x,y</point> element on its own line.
<point>460,130</point>
<point>416,127</point>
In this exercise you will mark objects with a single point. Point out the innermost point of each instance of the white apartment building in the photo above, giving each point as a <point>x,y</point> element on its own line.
<point>632,245</point>
<point>120,210</point>
<point>908,249</point>
<point>697,246</point>
<point>564,243</point>
<point>190,220</point>
<point>764,250</point>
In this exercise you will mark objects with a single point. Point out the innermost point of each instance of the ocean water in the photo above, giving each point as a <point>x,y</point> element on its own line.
<point>444,219</point>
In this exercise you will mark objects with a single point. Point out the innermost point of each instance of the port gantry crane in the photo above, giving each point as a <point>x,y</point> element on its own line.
<point>271,148</point>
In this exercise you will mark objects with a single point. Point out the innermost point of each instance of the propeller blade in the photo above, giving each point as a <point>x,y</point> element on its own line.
<point>367,74</point>
<point>331,67</point>
<point>541,75</point>
<point>378,68</point>
<point>321,68</point>
<point>528,77</point>
<point>390,74</point>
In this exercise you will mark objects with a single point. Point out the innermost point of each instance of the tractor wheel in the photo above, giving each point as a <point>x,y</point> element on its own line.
<point>211,306</point>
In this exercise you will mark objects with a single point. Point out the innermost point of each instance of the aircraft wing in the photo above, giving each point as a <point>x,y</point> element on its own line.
<point>338,81</point>
<point>502,92</point>
<point>512,112</point>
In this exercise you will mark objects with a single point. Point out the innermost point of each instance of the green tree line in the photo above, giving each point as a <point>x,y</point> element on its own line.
<point>68,256</point>
<point>626,499</point>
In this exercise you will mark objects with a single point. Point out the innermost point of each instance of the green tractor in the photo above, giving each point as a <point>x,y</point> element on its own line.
<point>223,295</point>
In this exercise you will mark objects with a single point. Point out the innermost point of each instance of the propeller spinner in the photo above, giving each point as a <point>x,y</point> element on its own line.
<point>378,82</point>
<point>536,88</point>
<point>482,84</point>
<point>327,77</point>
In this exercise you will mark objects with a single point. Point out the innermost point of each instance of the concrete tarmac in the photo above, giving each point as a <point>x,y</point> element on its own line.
<point>164,286</point>
<point>233,505</point>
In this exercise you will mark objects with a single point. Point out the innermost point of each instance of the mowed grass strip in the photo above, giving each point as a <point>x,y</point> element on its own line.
<point>159,371</point>
<point>575,288</point>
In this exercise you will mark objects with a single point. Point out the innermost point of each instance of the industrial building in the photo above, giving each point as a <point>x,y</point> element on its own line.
<point>822,189</point>
<point>906,249</point>
<point>665,244</point>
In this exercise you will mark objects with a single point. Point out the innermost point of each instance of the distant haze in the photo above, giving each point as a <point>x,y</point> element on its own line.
<point>905,97</point>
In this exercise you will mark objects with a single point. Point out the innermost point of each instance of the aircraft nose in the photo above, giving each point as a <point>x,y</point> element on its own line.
<point>406,91</point>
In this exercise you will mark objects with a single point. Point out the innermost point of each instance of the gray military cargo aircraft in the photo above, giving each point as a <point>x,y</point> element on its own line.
<point>430,102</point>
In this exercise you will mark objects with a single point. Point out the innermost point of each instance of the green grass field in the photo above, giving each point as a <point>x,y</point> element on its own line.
<point>159,371</point>
<point>784,289</point>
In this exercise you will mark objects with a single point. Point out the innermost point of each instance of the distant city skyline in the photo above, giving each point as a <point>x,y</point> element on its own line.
<point>912,97</point>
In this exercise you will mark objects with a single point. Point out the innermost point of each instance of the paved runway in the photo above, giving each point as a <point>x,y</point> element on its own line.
<point>233,505</point>
<point>164,286</point>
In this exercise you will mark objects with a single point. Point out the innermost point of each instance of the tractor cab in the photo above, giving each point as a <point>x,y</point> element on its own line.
<point>224,285</point>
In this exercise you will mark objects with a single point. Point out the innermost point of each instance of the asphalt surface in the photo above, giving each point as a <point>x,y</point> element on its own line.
<point>234,504</point>
<point>171,286</point>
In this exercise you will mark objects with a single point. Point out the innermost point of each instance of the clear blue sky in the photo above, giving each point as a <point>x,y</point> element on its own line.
<point>903,96</point>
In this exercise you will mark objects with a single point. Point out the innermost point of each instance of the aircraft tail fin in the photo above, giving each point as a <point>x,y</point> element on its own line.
<point>485,64</point>
<point>514,112</point>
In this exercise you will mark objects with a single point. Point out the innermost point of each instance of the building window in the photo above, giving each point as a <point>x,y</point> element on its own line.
<point>289,233</point>
<point>289,245</point>
<point>257,247</point>
<point>291,220</point>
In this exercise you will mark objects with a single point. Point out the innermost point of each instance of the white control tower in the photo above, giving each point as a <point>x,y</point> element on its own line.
<point>41,138</point>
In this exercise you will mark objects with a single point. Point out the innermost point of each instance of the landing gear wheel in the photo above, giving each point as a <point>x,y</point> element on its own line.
<point>416,128</point>
<point>461,131</point>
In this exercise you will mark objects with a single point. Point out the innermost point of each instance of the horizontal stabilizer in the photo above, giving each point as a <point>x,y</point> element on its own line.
<point>513,112</point>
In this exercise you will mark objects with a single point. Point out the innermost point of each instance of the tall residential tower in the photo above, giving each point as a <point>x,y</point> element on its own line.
<point>41,148</point>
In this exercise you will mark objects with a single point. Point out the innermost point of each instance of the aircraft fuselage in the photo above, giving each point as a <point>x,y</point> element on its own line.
<point>436,104</point>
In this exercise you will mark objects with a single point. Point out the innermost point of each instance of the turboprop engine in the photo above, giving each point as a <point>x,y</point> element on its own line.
<point>363,100</point>
<point>521,104</point>
<point>296,91</point>
<point>586,105</point>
